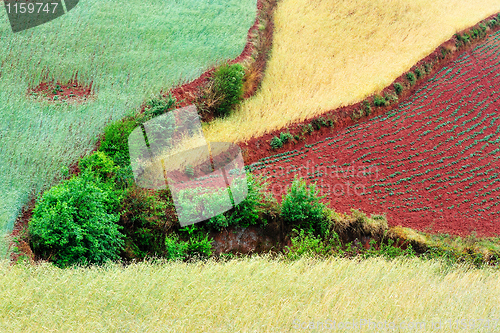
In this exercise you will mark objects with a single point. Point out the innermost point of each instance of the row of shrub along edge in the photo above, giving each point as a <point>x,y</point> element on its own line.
<point>359,226</point>
<point>375,104</point>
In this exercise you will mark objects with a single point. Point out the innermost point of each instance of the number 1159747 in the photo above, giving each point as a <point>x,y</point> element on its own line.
<point>37,7</point>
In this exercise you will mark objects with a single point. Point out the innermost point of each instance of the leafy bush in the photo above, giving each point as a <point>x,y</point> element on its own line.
<point>357,114</point>
<point>160,105</point>
<point>189,170</point>
<point>379,101</point>
<point>318,123</point>
<point>248,212</point>
<point>145,220</point>
<point>418,73</point>
<point>411,78</point>
<point>307,245</point>
<point>367,108</point>
<point>388,251</point>
<point>115,142</point>
<point>391,97</point>
<point>398,87</point>
<point>427,67</point>
<point>229,81</point>
<point>100,165</point>
<point>175,249</point>
<point>285,137</point>
<point>309,128</point>
<point>198,246</point>
<point>493,22</point>
<point>301,206</point>
<point>276,143</point>
<point>76,223</point>
<point>223,91</point>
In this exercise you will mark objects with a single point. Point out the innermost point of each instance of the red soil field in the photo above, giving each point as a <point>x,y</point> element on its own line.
<point>430,164</point>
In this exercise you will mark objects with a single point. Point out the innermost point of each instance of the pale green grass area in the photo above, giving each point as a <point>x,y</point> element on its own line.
<point>245,295</point>
<point>130,51</point>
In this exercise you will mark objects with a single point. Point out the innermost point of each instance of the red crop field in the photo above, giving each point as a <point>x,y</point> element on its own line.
<point>431,163</point>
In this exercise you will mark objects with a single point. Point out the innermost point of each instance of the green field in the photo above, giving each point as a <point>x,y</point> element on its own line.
<point>129,50</point>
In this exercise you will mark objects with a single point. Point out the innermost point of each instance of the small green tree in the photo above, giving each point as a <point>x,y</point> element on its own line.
<point>301,205</point>
<point>75,223</point>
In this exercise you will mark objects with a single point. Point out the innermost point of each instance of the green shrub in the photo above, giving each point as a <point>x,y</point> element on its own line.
<point>462,39</point>
<point>318,123</point>
<point>309,128</point>
<point>411,78</point>
<point>175,249</point>
<point>307,245</point>
<point>379,101</point>
<point>276,143</point>
<point>418,73</point>
<point>248,212</point>
<point>199,246</point>
<point>388,251</point>
<point>301,206</point>
<point>357,114</point>
<point>160,105</point>
<point>285,137</point>
<point>391,97</point>
<point>367,108</point>
<point>75,223</point>
<point>228,83</point>
<point>398,88</point>
<point>427,67</point>
<point>99,164</point>
<point>145,220</point>
<point>189,170</point>
<point>115,142</point>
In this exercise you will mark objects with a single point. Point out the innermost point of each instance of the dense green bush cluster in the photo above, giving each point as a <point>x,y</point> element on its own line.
<point>75,222</point>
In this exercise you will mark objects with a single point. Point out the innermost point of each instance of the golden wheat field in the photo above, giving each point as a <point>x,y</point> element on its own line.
<point>330,53</point>
<point>255,294</point>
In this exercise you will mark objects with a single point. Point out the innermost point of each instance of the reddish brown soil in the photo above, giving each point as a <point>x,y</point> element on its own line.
<point>431,163</point>
<point>70,92</point>
<point>259,147</point>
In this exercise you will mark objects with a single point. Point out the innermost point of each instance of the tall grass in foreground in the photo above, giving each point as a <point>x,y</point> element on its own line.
<point>246,295</point>
<point>330,53</point>
<point>129,50</point>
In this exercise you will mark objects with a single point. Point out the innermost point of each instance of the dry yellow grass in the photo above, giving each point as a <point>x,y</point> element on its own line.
<point>248,295</point>
<point>330,53</point>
